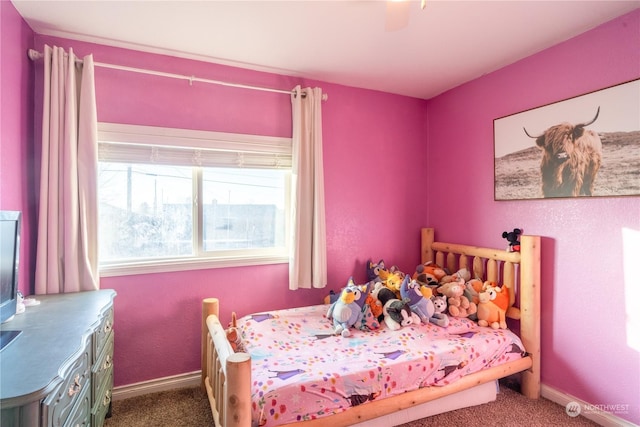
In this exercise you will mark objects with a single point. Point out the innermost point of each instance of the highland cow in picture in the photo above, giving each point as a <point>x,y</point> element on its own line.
<point>571,158</point>
<point>590,148</point>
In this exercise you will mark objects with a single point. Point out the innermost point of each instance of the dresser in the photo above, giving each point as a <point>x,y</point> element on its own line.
<point>59,370</point>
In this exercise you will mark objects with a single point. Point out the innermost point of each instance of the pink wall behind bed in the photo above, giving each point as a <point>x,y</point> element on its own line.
<point>370,142</point>
<point>587,301</point>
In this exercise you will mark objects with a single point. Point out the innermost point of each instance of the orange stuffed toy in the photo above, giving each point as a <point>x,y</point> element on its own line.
<point>493,305</point>
<point>233,335</point>
<point>392,280</point>
<point>428,275</point>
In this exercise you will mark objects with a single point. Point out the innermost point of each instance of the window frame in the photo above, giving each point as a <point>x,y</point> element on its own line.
<point>153,137</point>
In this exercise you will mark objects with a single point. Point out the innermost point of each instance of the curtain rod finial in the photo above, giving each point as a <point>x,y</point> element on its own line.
<point>34,54</point>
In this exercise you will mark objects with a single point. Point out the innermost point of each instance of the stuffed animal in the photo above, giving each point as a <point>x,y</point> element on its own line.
<point>423,307</point>
<point>410,290</point>
<point>459,305</point>
<point>369,321</point>
<point>347,310</point>
<point>462,274</point>
<point>374,303</point>
<point>373,270</point>
<point>396,313</point>
<point>502,295</point>
<point>392,280</point>
<point>440,306</point>
<point>513,239</point>
<point>233,336</point>
<point>382,295</point>
<point>493,305</point>
<point>429,274</point>
<point>331,298</point>
<point>502,299</point>
<point>394,269</point>
<point>473,289</point>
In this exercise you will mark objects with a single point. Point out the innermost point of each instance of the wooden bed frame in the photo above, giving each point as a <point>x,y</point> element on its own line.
<point>226,376</point>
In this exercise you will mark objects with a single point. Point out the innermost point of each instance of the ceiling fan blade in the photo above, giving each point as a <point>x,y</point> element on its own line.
<point>397,16</point>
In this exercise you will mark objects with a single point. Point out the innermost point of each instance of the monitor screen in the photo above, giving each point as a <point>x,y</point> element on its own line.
<point>9,262</point>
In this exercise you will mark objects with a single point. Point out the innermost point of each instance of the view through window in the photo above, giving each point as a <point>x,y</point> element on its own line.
<point>151,210</point>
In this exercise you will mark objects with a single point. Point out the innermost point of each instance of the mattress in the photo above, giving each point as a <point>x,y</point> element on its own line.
<point>302,371</point>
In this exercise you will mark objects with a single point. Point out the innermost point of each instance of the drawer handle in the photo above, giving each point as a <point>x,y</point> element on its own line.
<point>107,363</point>
<point>107,327</point>
<point>107,398</point>
<point>75,388</point>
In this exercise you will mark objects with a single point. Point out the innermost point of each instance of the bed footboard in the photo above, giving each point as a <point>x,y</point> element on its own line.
<point>226,375</point>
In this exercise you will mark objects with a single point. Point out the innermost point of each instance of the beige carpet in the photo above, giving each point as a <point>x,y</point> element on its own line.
<point>189,408</point>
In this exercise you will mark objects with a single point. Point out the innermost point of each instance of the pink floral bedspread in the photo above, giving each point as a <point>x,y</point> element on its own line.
<point>301,371</point>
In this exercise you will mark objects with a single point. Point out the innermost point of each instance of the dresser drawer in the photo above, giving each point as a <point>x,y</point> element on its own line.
<point>103,403</point>
<point>76,386</point>
<point>80,415</point>
<point>102,373</point>
<point>102,333</point>
<point>103,366</point>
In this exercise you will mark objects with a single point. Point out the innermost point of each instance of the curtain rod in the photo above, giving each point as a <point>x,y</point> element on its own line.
<point>34,55</point>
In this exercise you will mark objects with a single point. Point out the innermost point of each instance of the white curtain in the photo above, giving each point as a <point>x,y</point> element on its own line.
<point>67,251</point>
<point>308,261</point>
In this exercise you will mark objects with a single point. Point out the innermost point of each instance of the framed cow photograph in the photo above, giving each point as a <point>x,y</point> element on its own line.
<point>585,146</point>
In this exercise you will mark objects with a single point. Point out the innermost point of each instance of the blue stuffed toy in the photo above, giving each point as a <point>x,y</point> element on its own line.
<point>346,311</point>
<point>423,307</point>
<point>373,270</point>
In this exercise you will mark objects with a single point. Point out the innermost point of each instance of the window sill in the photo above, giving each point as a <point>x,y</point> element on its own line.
<point>167,266</point>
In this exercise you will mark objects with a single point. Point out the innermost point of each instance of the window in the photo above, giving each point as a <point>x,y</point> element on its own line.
<point>173,199</point>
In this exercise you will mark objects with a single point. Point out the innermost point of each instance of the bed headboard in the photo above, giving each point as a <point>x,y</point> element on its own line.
<point>519,271</point>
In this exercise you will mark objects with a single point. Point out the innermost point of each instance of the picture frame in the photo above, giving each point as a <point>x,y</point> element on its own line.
<point>553,151</point>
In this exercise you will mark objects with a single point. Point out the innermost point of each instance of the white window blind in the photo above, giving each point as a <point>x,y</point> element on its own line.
<point>166,146</point>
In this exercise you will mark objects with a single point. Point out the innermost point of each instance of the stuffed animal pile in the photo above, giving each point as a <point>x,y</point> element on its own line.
<point>431,295</point>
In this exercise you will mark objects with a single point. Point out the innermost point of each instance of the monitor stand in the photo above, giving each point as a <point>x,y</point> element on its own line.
<point>6,337</point>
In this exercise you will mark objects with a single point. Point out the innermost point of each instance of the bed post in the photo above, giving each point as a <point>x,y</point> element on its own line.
<point>238,391</point>
<point>209,306</point>
<point>530,311</point>
<point>426,240</point>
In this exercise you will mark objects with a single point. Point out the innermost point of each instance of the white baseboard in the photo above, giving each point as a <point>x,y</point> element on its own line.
<point>190,379</point>
<point>588,410</point>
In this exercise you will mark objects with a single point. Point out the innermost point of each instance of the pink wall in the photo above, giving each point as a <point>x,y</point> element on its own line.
<point>16,132</point>
<point>370,143</point>
<point>585,350</point>
<point>375,154</point>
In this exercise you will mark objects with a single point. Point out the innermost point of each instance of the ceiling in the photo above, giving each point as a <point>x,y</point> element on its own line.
<point>447,43</point>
